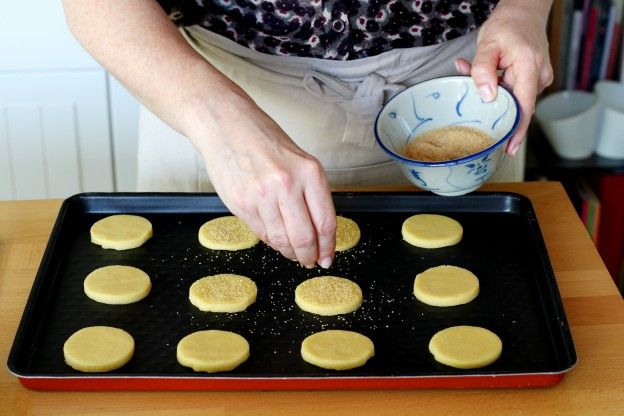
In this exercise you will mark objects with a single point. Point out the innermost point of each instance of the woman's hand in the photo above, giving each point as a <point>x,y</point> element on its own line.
<point>265,179</point>
<point>513,39</point>
<point>261,175</point>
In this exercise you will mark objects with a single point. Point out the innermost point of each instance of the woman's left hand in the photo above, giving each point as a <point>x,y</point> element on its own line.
<point>513,39</point>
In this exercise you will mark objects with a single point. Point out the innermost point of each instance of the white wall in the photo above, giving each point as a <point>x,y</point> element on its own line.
<point>66,126</point>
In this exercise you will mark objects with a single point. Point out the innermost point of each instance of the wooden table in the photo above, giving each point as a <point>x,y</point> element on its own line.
<point>594,308</point>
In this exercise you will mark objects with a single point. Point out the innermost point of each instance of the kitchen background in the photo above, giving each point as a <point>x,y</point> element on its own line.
<point>67,126</point>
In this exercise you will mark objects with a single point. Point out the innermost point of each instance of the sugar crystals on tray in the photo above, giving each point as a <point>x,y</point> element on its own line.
<point>277,290</point>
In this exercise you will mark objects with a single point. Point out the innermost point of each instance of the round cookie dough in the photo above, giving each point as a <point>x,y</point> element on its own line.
<point>223,293</point>
<point>227,233</point>
<point>97,349</point>
<point>347,233</point>
<point>328,295</point>
<point>465,347</point>
<point>117,285</point>
<point>431,231</point>
<point>121,232</point>
<point>337,349</point>
<point>212,351</point>
<point>446,286</point>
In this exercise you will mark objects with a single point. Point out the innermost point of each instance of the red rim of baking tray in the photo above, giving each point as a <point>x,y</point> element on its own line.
<point>289,383</point>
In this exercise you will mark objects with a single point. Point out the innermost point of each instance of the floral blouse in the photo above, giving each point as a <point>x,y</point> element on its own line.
<point>332,29</point>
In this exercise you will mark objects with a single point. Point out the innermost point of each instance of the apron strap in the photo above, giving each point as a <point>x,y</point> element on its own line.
<point>361,104</point>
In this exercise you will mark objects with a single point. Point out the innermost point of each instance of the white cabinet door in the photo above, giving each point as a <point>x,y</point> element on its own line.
<point>54,134</point>
<point>124,110</point>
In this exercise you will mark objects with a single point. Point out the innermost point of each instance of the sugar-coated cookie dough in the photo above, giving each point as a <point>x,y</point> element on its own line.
<point>328,295</point>
<point>337,349</point>
<point>466,347</point>
<point>347,233</point>
<point>446,286</point>
<point>117,285</point>
<point>212,351</point>
<point>223,293</point>
<point>227,233</point>
<point>121,232</point>
<point>431,231</point>
<point>97,349</point>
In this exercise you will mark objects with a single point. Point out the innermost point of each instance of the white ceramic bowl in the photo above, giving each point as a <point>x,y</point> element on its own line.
<point>442,102</point>
<point>570,122</point>
<point>610,142</point>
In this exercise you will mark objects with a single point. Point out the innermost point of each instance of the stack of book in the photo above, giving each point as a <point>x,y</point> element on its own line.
<point>600,203</point>
<point>586,42</point>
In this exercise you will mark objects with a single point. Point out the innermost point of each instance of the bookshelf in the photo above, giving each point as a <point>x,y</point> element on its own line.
<point>604,177</point>
<point>586,45</point>
<point>585,42</point>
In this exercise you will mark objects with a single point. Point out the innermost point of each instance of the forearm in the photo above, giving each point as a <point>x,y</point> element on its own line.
<point>537,9</point>
<point>141,47</point>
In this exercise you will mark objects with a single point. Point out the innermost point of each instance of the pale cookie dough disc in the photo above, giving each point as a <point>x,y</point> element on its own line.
<point>117,285</point>
<point>431,231</point>
<point>98,348</point>
<point>347,233</point>
<point>121,232</point>
<point>227,233</point>
<point>446,286</point>
<point>223,293</point>
<point>466,347</point>
<point>328,295</point>
<point>337,349</point>
<point>212,351</point>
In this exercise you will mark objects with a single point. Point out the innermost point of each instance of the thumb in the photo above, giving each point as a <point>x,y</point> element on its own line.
<point>484,66</point>
<point>463,66</point>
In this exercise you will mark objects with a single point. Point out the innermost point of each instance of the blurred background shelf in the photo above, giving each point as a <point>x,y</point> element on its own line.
<point>596,188</point>
<point>586,43</point>
<point>542,161</point>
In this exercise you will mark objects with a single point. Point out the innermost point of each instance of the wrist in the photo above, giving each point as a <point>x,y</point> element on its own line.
<point>535,10</point>
<point>213,107</point>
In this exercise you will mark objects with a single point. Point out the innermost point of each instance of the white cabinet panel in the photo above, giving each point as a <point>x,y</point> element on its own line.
<point>26,151</point>
<point>125,131</point>
<point>55,134</point>
<point>7,184</point>
<point>61,150</point>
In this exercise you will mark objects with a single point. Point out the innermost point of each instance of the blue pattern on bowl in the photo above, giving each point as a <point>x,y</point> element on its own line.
<point>441,102</point>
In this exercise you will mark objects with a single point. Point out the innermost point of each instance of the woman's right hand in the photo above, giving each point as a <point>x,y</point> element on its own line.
<point>261,175</point>
<point>265,179</point>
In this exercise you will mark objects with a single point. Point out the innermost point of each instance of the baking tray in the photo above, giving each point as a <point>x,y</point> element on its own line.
<point>502,245</point>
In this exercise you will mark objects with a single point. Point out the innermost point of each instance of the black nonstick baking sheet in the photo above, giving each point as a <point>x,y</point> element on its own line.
<point>502,245</point>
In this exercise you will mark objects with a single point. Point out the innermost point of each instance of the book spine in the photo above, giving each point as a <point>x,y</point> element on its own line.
<point>597,217</point>
<point>613,51</point>
<point>586,12</point>
<point>606,48</point>
<point>611,241</point>
<point>564,42</point>
<point>574,53</point>
<point>588,49</point>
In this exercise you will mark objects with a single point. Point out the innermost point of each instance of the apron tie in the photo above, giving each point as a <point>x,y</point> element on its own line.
<point>360,104</point>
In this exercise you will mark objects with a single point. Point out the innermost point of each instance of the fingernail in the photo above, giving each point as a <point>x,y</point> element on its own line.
<point>514,149</point>
<point>325,262</point>
<point>457,67</point>
<point>486,93</point>
<point>309,266</point>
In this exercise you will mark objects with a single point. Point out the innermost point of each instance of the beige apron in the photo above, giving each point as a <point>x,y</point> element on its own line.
<point>327,107</point>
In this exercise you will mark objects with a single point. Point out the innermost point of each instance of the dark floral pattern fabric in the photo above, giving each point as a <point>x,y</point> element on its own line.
<point>332,29</point>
